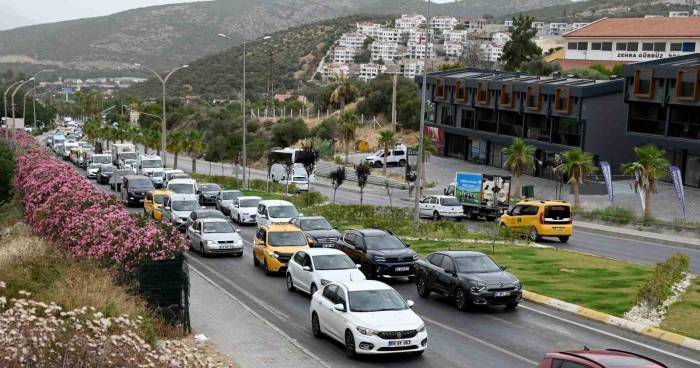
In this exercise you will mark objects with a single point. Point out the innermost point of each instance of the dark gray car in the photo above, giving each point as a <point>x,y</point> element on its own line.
<point>318,230</point>
<point>208,192</point>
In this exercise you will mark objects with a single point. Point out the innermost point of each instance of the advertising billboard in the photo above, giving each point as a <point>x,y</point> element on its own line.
<point>468,188</point>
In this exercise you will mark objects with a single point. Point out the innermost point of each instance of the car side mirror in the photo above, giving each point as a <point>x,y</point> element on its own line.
<point>339,307</point>
<point>410,303</point>
<point>301,214</point>
<point>235,205</point>
<point>451,272</point>
<point>358,265</point>
<point>166,208</point>
<point>306,268</point>
<point>503,268</point>
<point>444,191</point>
<point>407,245</point>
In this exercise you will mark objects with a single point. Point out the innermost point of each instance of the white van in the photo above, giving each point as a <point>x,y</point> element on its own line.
<point>275,212</point>
<point>183,186</point>
<point>145,164</point>
<point>397,157</point>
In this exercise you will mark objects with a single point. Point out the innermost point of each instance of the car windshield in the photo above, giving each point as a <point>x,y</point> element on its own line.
<point>315,224</point>
<point>210,188</point>
<point>108,168</point>
<point>476,264</point>
<point>248,203</point>
<point>181,188</point>
<point>102,160</point>
<point>227,196</point>
<point>141,183</point>
<point>376,301</point>
<point>95,166</point>
<point>283,211</point>
<point>383,242</point>
<point>210,214</point>
<point>160,198</point>
<point>286,238</point>
<point>179,176</point>
<point>299,178</point>
<point>333,262</point>
<point>124,172</point>
<point>185,205</point>
<point>157,173</point>
<point>379,153</point>
<point>217,227</point>
<point>449,202</point>
<point>149,164</point>
<point>128,156</point>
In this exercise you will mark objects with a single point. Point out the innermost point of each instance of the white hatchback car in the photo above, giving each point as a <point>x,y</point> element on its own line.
<point>368,317</point>
<point>310,269</point>
<point>441,206</point>
<point>275,212</point>
<point>244,209</point>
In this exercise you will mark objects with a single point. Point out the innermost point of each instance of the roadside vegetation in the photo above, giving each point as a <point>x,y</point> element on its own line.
<point>683,317</point>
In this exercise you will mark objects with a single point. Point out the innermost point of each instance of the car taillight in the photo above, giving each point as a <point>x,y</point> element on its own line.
<point>542,218</point>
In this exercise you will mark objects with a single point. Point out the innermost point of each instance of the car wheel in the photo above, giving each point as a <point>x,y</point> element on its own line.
<point>267,270</point>
<point>461,299</point>
<point>422,287</point>
<point>402,163</point>
<point>202,250</point>
<point>350,345</point>
<point>511,306</point>
<point>436,216</point>
<point>534,236</point>
<point>239,219</point>
<point>256,263</point>
<point>313,289</point>
<point>368,270</point>
<point>316,326</point>
<point>563,239</point>
<point>290,282</point>
<point>411,278</point>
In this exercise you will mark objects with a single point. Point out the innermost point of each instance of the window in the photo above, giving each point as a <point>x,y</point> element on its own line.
<point>507,95</point>
<point>436,259</point>
<point>632,46</point>
<point>537,127</point>
<point>350,238</point>
<point>583,46</point>
<point>562,100</point>
<point>684,122</point>
<point>686,84</point>
<point>448,265</point>
<point>676,46</point>
<point>533,100</point>
<point>486,120</point>
<point>572,45</point>
<point>460,91</point>
<point>447,115</point>
<point>688,46</point>
<point>647,118</point>
<point>607,46</point>
<point>482,93</point>
<point>621,46</point>
<point>566,131</point>
<point>647,46</point>
<point>440,90</point>
<point>659,46</point>
<point>329,292</point>
<point>595,46</point>
<point>511,123</point>
<point>467,119</point>
<point>643,84</point>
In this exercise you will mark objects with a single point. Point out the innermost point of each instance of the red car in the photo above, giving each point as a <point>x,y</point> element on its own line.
<point>598,359</point>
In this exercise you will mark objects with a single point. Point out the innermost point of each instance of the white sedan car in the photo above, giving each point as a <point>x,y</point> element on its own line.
<point>244,209</point>
<point>441,206</point>
<point>310,269</point>
<point>368,317</point>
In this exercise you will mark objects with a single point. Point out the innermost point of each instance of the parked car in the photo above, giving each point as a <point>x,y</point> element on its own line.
<point>154,202</point>
<point>379,252</point>
<point>312,268</point>
<point>275,244</point>
<point>214,236</point>
<point>115,182</point>
<point>92,171</point>
<point>183,186</point>
<point>105,172</point>
<point>245,209</point>
<point>208,192</point>
<point>134,189</point>
<point>608,358</point>
<point>468,278</point>
<point>203,213</point>
<point>224,200</point>
<point>177,208</point>
<point>367,317</point>
<point>319,232</point>
<point>397,157</point>
<point>275,212</point>
<point>441,206</point>
<point>540,218</point>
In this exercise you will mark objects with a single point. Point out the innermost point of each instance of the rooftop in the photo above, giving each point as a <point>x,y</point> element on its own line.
<point>666,67</point>
<point>640,27</point>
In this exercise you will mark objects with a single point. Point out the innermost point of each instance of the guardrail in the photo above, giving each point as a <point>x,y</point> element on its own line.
<point>323,169</point>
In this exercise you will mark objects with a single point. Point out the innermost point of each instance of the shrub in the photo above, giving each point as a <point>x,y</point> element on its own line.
<point>618,215</point>
<point>289,131</point>
<point>659,286</point>
<point>7,171</point>
<point>326,130</point>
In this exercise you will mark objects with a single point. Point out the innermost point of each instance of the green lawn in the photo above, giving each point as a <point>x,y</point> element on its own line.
<point>684,316</point>
<point>598,283</point>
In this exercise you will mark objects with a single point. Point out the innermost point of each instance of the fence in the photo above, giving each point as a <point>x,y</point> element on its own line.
<point>166,287</point>
<point>281,113</point>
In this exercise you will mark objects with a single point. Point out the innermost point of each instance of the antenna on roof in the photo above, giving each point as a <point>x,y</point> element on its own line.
<point>585,348</point>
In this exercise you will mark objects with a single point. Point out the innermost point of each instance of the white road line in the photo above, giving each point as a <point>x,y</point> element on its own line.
<point>291,340</point>
<point>480,341</point>
<point>610,334</point>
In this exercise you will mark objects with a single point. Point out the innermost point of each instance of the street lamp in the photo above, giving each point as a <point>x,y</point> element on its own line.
<point>163,127</point>
<point>24,106</point>
<point>244,154</point>
<point>13,103</point>
<point>7,121</point>
<point>421,135</point>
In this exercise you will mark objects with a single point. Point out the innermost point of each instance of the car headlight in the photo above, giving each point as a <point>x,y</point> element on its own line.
<point>421,328</point>
<point>517,284</point>
<point>478,287</point>
<point>366,331</point>
<point>274,255</point>
<point>324,282</point>
<point>311,240</point>
<point>210,242</point>
<point>415,257</point>
<point>379,259</point>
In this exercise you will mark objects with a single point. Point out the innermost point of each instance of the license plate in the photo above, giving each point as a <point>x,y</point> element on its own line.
<point>558,228</point>
<point>502,293</point>
<point>328,245</point>
<point>226,247</point>
<point>400,343</point>
<point>141,200</point>
<point>401,269</point>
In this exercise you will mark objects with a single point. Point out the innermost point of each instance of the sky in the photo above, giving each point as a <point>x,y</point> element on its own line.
<point>17,13</point>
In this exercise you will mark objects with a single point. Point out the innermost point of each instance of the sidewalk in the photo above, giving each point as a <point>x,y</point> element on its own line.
<point>639,235</point>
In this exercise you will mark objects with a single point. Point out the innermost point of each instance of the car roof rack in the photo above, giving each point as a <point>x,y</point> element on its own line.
<point>639,356</point>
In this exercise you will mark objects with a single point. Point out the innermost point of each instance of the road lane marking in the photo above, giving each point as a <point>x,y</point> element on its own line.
<point>610,334</point>
<point>264,320</point>
<point>480,341</point>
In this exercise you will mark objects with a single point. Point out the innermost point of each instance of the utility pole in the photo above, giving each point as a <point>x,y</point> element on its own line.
<point>393,102</point>
<point>269,78</point>
<point>421,135</point>
<point>13,103</point>
<point>7,120</point>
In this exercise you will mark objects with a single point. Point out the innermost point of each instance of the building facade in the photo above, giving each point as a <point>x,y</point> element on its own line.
<point>371,71</point>
<point>353,39</point>
<point>344,54</point>
<point>387,51</point>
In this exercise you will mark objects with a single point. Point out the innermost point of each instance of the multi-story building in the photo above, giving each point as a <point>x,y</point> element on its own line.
<point>408,22</point>
<point>443,22</point>
<point>415,50</point>
<point>473,24</point>
<point>451,35</point>
<point>419,35</point>
<point>371,71</point>
<point>491,51</point>
<point>387,51</point>
<point>611,41</point>
<point>575,26</point>
<point>500,38</point>
<point>540,27</point>
<point>663,108</point>
<point>508,24</point>
<point>411,68</point>
<point>343,54</point>
<point>454,48</point>
<point>678,14</point>
<point>388,35</point>
<point>353,39</point>
<point>368,28</point>
<point>557,29</point>
<point>333,70</point>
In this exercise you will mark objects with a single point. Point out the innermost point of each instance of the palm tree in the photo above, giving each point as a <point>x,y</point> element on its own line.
<point>651,165</point>
<point>151,139</point>
<point>428,149</point>
<point>387,139</point>
<point>343,92</point>
<point>520,158</point>
<point>348,126</point>
<point>176,143</point>
<point>577,165</point>
<point>194,145</point>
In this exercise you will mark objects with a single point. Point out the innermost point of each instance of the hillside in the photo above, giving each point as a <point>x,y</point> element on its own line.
<point>169,35</point>
<point>590,10</point>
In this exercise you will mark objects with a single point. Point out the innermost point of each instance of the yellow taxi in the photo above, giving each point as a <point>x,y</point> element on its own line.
<point>275,244</point>
<point>154,202</point>
<point>541,218</point>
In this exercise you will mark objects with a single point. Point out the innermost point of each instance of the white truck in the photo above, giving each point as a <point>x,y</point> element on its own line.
<point>481,195</point>
<point>146,164</point>
<point>120,151</point>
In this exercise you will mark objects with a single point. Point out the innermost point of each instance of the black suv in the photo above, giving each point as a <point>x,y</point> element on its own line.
<point>379,252</point>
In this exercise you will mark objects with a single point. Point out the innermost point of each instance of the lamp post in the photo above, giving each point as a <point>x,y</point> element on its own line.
<point>421,135</point>
<point>24,106</point>
<point>163,125</point>
<point>33,99</point>
<point>13,103</point>
<point>244,153</point>
<point>7,121</point>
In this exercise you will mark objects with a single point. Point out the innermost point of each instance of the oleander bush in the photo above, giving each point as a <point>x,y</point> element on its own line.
<point>659,286</point>
<point>7,170</point>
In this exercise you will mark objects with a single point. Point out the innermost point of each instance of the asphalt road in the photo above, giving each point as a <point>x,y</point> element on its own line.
<point>488,337</point>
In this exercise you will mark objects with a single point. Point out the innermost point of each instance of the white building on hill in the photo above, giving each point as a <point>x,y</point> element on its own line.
<point>369,28</point>
<point>387,51</point>
<point>371,71</point>
<point>388,35</point>
<point>410,69</point>
<point>343,54</point>
<point>454,48</point>
<point>451,35</point>
<point>443,22</point>
<point>417,50</point>
<point>408,22</point>
<point>353,39</point>
<point>334,70</point>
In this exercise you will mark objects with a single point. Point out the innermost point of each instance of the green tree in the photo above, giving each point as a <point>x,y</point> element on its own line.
<point>520,46</point>
<point>377,95</point>
<point>362,171</point>
<point>194,145</point>
<point>327,129</point>
<point>288,131</point>
<point>151,139</point>
<point>337,177</point>
<point>349,123</point>
<point>577,165</point>
<point>387,139</point>
<point>176,144</point>
<point>586,73</point>
<point>521,156</point>
<point>651,166</point>
<point>536,65</point>
<point>344,92</point>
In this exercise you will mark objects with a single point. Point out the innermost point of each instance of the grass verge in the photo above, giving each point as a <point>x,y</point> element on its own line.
<point>684,316</point>
<point>598,283</point>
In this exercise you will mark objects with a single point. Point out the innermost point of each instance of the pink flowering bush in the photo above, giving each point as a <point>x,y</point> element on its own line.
<point>61,205</point>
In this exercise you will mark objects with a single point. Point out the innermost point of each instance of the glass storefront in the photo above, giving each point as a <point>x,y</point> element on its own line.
<point>478,149</point>
<point>487,120</point>
<point>566,131</point>
<point>511,123</point>
<point>456,146</point>
<point>692,170</point>
<point>537,127</point>
<point>684,122</point>
<point>647,118</point>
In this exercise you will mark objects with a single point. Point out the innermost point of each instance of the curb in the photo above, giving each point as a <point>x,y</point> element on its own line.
<point>642,329</point>
<point>638,237</point>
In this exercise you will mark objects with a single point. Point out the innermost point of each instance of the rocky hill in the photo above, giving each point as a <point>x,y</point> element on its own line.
<point>169,35</point>
<point>588,11</point>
